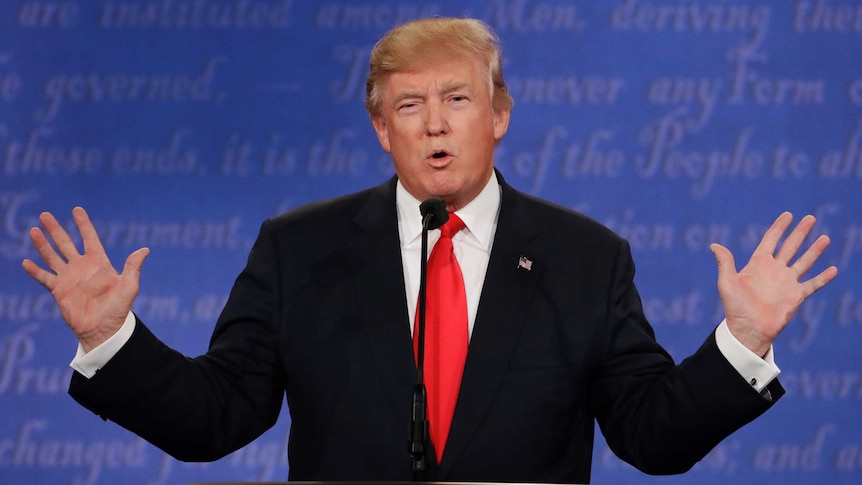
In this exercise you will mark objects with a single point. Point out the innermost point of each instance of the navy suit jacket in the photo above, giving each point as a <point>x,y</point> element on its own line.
<point>319,314</point>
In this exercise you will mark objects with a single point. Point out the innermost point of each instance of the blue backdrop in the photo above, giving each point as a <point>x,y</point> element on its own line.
<point>182,124</point>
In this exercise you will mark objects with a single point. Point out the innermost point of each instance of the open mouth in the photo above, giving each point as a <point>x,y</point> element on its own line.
<point>439,155</point>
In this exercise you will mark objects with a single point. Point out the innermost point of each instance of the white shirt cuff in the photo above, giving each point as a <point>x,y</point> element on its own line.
<point>87,363</point>
<point>757,371</point>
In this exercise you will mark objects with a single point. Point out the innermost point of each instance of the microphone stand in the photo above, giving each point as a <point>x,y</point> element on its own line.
<point>434,215</point>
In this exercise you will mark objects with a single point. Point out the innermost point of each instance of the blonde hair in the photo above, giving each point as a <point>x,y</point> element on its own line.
<point>408,45</point>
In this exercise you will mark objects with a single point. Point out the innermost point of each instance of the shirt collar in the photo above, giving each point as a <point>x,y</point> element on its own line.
<point>479,216</point>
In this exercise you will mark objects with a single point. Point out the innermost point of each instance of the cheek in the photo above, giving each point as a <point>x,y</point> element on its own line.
<point>402,138</point>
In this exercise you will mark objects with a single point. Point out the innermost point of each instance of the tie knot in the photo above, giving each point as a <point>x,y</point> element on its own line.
<point>452,226</point>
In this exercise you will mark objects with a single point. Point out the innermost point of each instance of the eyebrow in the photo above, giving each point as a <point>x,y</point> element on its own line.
<point>450,86</point>
<point>446,88</point>
<point>407,95</point>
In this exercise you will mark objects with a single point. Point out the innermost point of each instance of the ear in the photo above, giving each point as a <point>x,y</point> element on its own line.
<point>382,133</point>
<point>501,123</point>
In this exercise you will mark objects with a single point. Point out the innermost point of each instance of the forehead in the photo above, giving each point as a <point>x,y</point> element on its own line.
<point>438,73</point>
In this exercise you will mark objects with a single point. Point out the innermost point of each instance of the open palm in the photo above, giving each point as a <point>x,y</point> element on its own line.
<point>760,300</point>
<point>93,298</point>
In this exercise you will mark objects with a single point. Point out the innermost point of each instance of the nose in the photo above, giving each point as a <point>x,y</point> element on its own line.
<point>435,119</point>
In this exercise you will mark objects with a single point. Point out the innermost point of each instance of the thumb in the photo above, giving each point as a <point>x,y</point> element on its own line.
<point>726,263</point>
<point>134,263</point>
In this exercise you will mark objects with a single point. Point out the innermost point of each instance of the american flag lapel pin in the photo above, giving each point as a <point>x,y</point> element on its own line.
<point>525,263</point>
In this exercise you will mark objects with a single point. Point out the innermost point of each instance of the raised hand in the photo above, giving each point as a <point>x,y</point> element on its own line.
<point>93,298</point>
<point>760,300</point>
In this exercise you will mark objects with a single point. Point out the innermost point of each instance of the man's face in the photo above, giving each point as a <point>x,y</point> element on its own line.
<point>438,123</point>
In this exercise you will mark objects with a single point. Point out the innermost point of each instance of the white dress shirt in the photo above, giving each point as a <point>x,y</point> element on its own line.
<point>472,247</point>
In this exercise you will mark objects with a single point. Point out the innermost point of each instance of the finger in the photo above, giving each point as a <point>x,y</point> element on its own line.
<point>725,260</point>
<point>135,262</point>
<point>92,243</point>
<point>131,276</point>
<point>814,284</point>
<point>43,277</point>
<point>46,251</point>
<point>774,233</point>
<point>809,257</point>
<point>794,241</point>
<point>59,236</point>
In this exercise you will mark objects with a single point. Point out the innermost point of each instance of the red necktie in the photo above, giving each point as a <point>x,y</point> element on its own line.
<point>446,334</point>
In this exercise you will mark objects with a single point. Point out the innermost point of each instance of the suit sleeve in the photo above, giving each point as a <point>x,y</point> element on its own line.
<point>200,409</point>
<point>660,417</point>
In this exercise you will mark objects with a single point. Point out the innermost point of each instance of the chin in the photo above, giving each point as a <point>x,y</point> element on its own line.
<point>444,191</point>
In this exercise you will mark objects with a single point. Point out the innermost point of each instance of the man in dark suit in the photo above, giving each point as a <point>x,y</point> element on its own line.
<point>324,309</point>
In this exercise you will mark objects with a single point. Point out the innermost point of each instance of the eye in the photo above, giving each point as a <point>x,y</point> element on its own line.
<point>407,106</point>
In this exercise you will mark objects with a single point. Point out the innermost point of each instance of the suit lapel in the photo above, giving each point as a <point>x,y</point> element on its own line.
<point>376,264</point>
<point>506,296</point>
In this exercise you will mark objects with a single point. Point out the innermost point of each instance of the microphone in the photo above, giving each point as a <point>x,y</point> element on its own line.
<point>434,215</point>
